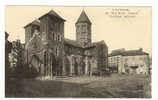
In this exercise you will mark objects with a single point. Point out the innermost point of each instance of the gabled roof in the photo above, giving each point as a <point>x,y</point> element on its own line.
<point>134,53</point>
<point>35,22</point>
<point>83,18</point>
<point>53,13</point>
<point>129,53</point>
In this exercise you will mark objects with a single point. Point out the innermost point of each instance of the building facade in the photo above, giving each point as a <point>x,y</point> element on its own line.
<point>51,54</point>
<point>129,61</point>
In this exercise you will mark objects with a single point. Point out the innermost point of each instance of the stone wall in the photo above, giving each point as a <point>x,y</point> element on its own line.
<point>140,61</point>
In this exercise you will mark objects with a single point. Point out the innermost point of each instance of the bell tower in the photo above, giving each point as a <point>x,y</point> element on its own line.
<point>83,29</point>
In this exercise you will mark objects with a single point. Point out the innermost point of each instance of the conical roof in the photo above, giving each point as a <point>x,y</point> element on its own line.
<point>83,18</point>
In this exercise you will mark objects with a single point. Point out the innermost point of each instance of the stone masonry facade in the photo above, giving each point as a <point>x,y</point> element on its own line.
<point>51,54</point>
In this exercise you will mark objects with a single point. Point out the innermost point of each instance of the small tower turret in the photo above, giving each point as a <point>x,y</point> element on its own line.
<point>83,29</point>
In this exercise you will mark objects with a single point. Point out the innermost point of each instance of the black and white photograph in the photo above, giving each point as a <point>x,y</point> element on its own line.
<point>78,52</point>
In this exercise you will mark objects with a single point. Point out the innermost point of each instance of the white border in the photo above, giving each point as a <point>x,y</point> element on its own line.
<point>85,3</point>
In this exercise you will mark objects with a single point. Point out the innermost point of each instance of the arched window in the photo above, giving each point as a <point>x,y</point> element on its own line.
<point>45,58</point>
<point>58,37</point>
<point>84,28</point>
<point>53,35</point>
<point>57,51</point>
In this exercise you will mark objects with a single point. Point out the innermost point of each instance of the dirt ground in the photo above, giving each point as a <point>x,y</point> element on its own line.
<point>114,86</point>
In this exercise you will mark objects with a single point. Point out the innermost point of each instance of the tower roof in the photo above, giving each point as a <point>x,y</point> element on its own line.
<point>35,22</point>
<point>83,18</point>
<point>53,13</point>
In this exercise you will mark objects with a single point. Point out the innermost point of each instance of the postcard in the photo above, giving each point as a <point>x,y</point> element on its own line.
<point>78,52</point>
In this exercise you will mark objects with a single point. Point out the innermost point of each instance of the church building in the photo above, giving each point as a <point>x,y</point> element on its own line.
<point>51,54</point>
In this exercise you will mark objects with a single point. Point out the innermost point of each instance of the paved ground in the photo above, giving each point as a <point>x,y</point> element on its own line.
<point>115,86</point>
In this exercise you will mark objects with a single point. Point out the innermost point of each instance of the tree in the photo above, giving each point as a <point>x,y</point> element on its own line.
<point>16,60</point>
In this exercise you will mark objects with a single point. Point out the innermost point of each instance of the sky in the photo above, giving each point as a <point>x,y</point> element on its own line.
<point>119,27</point>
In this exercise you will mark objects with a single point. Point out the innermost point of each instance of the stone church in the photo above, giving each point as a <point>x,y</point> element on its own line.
<point>51,54</point>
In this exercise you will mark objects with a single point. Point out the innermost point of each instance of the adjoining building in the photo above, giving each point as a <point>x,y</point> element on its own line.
<point>51,54</point>
<point>129,61</point>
